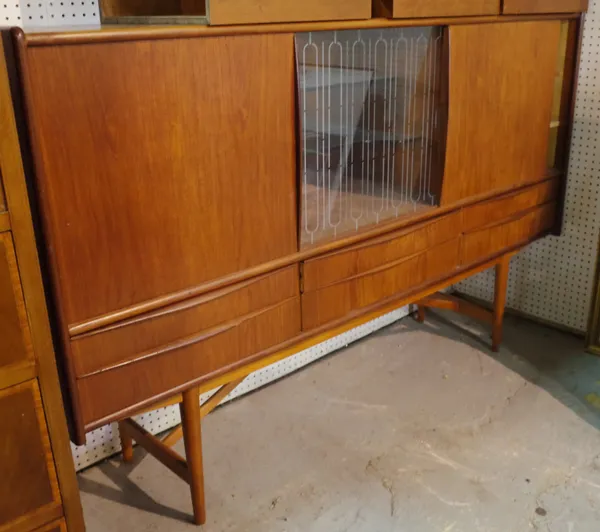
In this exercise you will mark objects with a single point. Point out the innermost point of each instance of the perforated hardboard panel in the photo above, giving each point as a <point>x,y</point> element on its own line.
<point>551,280</point>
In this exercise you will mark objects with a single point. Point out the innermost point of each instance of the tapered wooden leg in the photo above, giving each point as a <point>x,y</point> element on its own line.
<point>126,443</point>
<point>420,313</point>
<point>192,438</point>
<point>502,269</point>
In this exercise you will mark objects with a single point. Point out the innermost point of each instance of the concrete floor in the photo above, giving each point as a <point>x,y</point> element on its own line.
<point>415,428</point>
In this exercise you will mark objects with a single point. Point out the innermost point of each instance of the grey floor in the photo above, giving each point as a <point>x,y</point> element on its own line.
<point>416,428</point>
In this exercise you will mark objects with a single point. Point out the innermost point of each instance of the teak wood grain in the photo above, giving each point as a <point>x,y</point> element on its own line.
<point>186,360</point>
<point>269,11</point>
<point>506,206</point>
<point>343,297</point>
<point>374,253</point>
<point>437,8</point>
<point>500,106</point>
<point>13,175</point>
<point>29,494</point>
<point>130,339</point>
<point>519,7</point>
<point>525,227</point>
<point>56,526</point>
<point>2,197</point>
<point>175,173</point>
<point>16,350</point>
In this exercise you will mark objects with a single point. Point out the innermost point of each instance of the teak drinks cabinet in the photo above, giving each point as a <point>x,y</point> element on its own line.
<point>215,198</point>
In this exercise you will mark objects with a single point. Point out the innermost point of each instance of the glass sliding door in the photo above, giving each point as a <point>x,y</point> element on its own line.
<point>372,127</point>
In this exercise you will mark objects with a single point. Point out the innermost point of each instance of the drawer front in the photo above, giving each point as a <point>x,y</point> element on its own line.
<point>442,8</point>
<point>265,11</point>
<point>509,205</point>
<point>143,335</point>
<point>340,299</point>
<point>16,350</point>
<point>29,494</point>
<point>518,7</point>
<point>363,258</point>
<point>104,394</point>
<point>483,243</point>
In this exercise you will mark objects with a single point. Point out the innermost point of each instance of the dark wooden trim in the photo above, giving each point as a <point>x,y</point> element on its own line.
<point>116,34</point>
<point>409,221</point>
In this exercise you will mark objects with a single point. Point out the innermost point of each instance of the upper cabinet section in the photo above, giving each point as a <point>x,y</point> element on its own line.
<point>174,163</point>
<point>502,79</point>
<point>435,8</point>
<point>526,7</point>
<point>372,124</point>
<point>231,12</point>
<point>220,12</point>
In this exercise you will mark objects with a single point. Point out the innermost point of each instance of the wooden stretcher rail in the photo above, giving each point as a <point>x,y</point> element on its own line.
<point>112,34</point>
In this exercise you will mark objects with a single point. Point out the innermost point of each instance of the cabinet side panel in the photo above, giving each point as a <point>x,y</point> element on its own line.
<point>500,94</point>
<point>152,191</point>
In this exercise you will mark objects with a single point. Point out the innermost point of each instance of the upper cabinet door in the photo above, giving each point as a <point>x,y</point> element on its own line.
<point>436,8</point>
<point>500,104</point>
<point>162,164</point>
<point>519,7</point>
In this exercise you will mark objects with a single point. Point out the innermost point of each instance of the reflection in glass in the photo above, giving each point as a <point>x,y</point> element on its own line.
<point>370,127</point>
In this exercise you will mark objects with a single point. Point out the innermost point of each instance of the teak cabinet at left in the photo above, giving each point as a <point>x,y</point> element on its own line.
<point>38,488</point>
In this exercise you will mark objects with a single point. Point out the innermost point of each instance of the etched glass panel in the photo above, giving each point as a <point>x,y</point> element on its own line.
<point>371,130</point>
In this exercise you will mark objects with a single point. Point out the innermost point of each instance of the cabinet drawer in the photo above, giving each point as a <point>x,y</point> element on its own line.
<point>265,11</point>
<point>340,299</point>
<point>518,7</point>
<point>16,352</point>
<point>137,337</point>
<point>437,8</point>
<point>489,241</point>
<point>29,494</point>
<point>150,355</point>
<point>362,258</point>
<point>509,205</point>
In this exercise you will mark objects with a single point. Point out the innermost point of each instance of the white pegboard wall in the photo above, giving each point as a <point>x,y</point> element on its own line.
<point>553,278</point>
<point>43,13</point>
<point>104,441</point>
